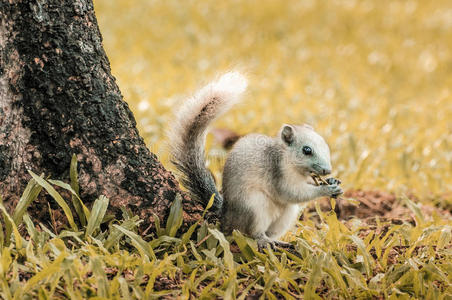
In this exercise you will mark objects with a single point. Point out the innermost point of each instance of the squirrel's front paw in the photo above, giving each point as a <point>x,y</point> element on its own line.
<point>331,190</point>
<point>331,181</point>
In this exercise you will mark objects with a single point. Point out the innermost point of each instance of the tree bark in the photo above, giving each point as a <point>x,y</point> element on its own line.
<point>57,98</point>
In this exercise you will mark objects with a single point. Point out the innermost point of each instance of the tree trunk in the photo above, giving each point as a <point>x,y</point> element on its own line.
<point>57,98</point>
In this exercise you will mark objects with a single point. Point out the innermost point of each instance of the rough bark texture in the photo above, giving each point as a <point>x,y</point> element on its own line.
<point>58,97</point>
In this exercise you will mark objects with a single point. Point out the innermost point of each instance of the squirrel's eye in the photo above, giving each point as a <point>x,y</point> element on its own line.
<point>307,150</point>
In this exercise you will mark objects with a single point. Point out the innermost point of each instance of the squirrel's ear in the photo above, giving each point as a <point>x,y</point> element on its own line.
<point>287,134</point>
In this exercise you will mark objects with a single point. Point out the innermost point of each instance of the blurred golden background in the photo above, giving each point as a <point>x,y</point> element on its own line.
<point>373,77</point>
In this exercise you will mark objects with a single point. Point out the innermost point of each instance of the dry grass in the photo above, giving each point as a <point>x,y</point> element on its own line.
<point>331,259</point>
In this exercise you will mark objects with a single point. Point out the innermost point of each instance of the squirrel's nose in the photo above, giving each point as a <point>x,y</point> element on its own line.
<point>326,171</point>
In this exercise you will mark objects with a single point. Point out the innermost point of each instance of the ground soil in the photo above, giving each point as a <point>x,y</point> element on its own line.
<point>367,205</point>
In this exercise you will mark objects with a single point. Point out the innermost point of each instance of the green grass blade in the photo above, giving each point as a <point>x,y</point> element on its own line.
<point>158,229</point>
<point>74,174</point>
<point>116,234</point>
<point>101,278</point>
<point>124,288</point>
<point>2,237</point>
<point>415,209</point>
<point>228,259</point>
<point>209,205</point>
<point>32,232</point>
<point>80,208</point>
<point>55,195</point>
<point>175,217</point>
<point>245,248</point>
<point>188,234</point>
<point>9,222</point>
<point>366,256</point>
<point>313,280</point>
<point>164,239</point>
<point>138,242</point>
<point>46,230</point>
<point>5,261</point>
<point>445,237</point>
<point>28,196</point>
<point>44,274</point>
<point>97,215</point>
<point>76,197</point>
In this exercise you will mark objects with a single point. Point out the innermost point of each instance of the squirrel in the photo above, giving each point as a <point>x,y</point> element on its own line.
<point>264,178</point>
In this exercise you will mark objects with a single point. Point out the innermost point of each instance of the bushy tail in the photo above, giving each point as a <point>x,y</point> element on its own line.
<point>188,134</point>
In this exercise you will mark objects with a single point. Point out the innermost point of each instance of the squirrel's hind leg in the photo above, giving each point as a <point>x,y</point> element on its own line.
<point>280,226</point>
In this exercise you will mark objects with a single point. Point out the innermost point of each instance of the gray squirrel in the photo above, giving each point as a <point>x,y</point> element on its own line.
<point>264,178</point>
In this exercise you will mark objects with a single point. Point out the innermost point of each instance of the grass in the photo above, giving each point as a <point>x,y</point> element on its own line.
<point>109,260</point>
<point>373,77</point>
